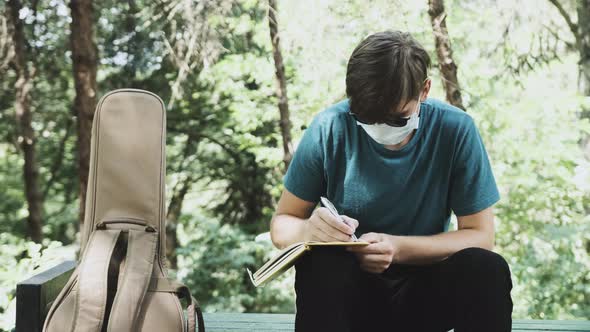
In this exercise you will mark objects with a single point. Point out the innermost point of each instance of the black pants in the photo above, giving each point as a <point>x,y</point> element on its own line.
<point>468,292</point>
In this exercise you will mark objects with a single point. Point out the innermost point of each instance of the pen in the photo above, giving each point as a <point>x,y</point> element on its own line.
<point>335,213</point>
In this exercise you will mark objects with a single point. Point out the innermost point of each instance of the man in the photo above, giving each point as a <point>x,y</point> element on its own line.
<point>395,164</point>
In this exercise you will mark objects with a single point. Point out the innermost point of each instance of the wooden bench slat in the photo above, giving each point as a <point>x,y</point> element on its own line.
<point>282,322</point>
<point>34,295</point>
<point>248,317</point>
<point>548,321</point>
<point>551,325</point>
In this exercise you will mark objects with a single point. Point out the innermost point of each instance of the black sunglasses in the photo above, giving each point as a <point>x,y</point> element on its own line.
<point>394,121</point>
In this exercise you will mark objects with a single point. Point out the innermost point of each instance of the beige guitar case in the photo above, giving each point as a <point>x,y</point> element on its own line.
<point>121,281</point>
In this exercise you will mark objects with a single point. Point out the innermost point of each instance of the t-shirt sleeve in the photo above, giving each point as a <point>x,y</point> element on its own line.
<point>305,176</point>
<point>473,186</point>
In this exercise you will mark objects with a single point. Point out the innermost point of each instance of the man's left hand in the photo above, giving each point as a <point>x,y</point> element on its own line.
<point>379,254</point>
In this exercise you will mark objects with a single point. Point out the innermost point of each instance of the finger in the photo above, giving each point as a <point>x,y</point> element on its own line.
<point>334,234</point>
<point>374,259</point>
<point>373,248</point>
<point>322,236</point>
<point>334,222</point>
<point>319,236</point>
<point>371,268</point>
<point>327,228</point>
<point>358,249</point>
<point>328,233</point>
<point>370,237</point>
<point>331,220</point>
<point>353,223</point>
<point>379,267</point>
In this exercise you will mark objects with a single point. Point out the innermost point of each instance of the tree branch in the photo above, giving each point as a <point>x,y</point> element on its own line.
<point>58,159</point>
<point>6,47</point>
<point>573,26</point>
<point>555,35</point>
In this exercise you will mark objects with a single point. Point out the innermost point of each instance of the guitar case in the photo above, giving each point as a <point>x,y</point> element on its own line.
<point>121,281</point>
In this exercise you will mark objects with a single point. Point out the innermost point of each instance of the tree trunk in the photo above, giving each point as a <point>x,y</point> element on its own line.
<point>444,53</point>
<point>6,49</point>
<point>84,59</point>
<point>25,72</point>
<point>584,45</point>
<point>130,68</point>
<point>285,121</point>
<point>581,32</point>
<point>175,205</point>
<point>174,210</point>
<point>583,42</point>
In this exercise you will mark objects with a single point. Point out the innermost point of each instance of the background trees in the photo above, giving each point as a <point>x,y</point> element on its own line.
<point>519,65</point>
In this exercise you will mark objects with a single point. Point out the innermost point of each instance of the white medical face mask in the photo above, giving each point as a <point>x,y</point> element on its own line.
<point>389,135</point>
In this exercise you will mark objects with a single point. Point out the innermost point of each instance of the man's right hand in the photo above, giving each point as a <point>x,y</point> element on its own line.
<point>322,226</point>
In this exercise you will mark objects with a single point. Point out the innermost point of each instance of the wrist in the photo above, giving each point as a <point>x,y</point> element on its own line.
<point>397,244</point>
<point>286,230</point>
<point>303,235</point>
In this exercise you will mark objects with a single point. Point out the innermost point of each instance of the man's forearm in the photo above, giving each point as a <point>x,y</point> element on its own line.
<point>429,249</point>
<point>286,230</point>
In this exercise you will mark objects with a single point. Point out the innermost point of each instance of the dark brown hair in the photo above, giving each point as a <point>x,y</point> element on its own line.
<point>385,71</point>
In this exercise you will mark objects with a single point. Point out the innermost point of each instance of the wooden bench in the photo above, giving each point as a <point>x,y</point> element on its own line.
<point>34,295</point>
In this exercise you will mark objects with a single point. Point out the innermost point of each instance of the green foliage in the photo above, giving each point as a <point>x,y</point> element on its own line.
<point>542,219</point>
<point>21,260</point>
<point>517,78</point>
<point>212,261</point>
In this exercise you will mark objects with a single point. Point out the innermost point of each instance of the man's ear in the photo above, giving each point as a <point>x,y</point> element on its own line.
<point>426,89</point>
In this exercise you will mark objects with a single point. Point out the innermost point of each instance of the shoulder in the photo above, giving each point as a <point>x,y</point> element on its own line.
<point>449,118</point>
<point>332,119</point>
<point>333,113</point>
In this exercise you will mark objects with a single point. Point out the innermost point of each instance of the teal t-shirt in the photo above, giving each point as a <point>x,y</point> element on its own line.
<point>410,191</point>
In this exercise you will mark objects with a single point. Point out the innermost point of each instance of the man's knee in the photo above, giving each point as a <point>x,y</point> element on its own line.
<point>483,266</point>
<point>483,285</point>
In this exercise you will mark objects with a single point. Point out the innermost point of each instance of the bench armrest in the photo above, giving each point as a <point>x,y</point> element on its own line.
<point>35,295</point>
